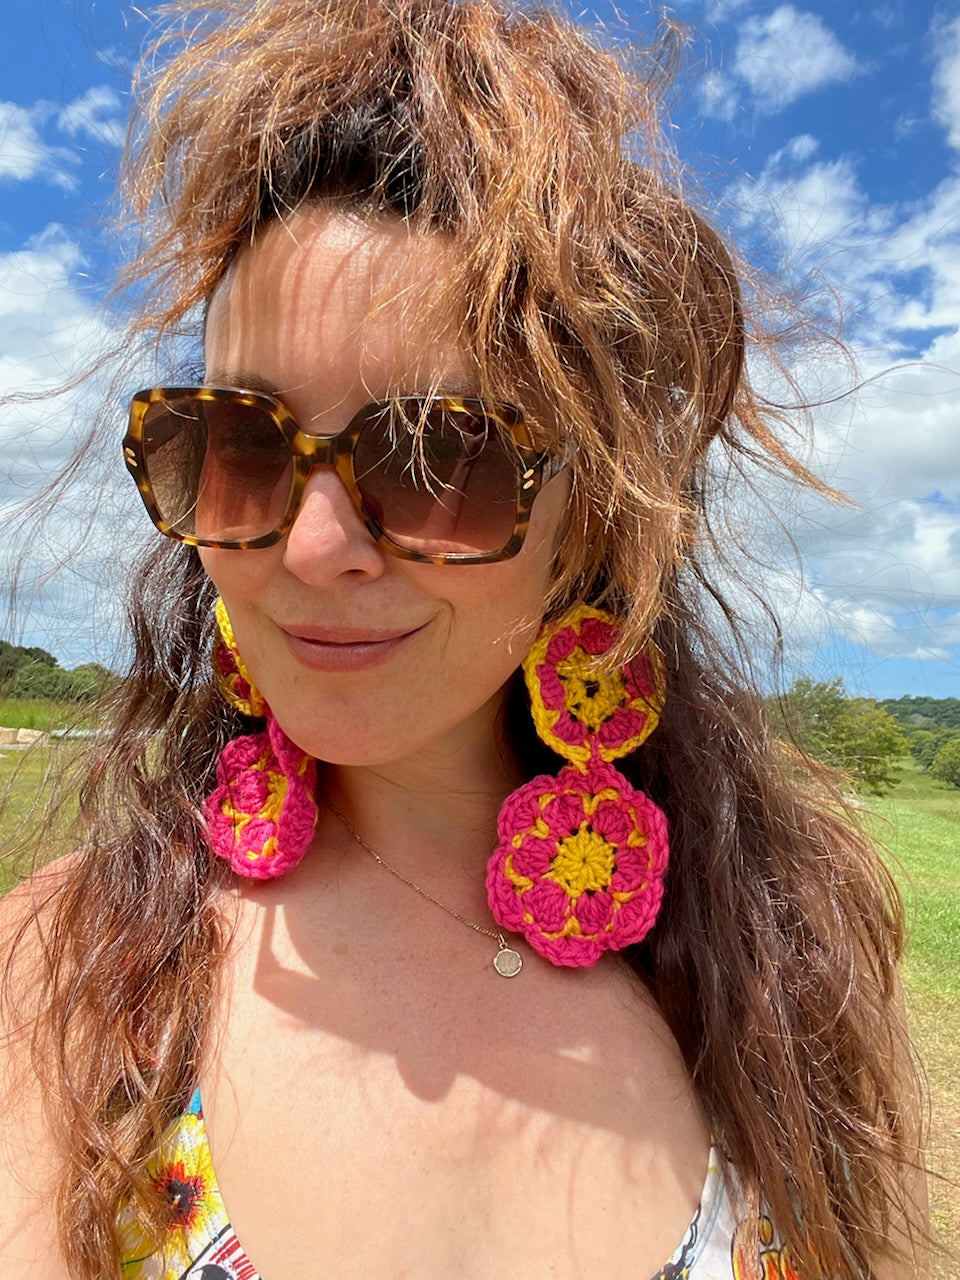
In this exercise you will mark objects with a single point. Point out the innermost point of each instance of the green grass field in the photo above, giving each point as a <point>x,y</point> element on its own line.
<point>26,777</point>
<point>919,824</point>
<point>38,713</point>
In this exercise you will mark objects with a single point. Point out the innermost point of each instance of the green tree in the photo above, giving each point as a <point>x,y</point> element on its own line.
<point>926,743</point>
<point>35,679</point>
<point>946,766</point>
<point>868,744</point>
<point>90,680</point>
<point>852,734</point>
<point>14,656</point>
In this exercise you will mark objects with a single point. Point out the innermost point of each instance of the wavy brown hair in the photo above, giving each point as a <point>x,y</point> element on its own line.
<point>610,311</point>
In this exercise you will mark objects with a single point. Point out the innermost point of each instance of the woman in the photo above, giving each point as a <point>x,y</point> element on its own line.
<point>465,721</point>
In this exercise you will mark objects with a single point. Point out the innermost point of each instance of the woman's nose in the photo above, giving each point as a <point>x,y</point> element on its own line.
<point>328,536</point>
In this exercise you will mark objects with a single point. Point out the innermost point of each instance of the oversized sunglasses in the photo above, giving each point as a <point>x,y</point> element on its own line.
<point>440,479</point>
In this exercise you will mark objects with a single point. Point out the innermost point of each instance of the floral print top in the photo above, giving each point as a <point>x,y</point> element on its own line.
<point>719,1244</point>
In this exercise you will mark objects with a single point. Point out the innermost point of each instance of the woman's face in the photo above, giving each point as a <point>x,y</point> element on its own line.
<point>363,657</point>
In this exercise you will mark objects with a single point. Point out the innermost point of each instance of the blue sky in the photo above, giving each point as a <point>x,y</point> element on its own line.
<point>825,138</point>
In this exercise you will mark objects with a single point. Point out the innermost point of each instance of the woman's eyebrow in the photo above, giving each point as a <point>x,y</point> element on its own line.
<point>241,380</point>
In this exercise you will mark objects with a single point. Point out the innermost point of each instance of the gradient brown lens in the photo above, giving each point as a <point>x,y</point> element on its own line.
<point>219,469</point>
<point>438,478</point>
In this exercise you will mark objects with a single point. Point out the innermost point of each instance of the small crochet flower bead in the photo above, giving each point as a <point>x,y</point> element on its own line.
<point>262,815</point>
<point>230,671</point>
<point>576,710</point>
<point>580,864</point>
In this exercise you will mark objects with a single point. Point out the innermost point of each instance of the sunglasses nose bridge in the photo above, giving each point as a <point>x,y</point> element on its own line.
<point>320,451</point>
<point>335,452</point>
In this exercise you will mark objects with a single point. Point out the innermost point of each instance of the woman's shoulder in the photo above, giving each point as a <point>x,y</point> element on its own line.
<point>28,1240</point>
<point>26,916</point>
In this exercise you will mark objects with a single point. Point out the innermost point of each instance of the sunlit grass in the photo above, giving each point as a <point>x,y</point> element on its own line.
<point>28,778</point>
<point>919,823</point>
<point>40,713</point>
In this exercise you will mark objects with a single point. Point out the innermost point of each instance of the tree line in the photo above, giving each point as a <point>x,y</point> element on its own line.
<point>35,673</point>
<point>867,739</point>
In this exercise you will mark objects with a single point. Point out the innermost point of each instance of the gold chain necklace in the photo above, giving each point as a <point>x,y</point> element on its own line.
<point>507,962</point>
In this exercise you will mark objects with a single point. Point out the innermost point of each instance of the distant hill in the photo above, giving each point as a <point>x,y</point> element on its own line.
<point>924,713</point>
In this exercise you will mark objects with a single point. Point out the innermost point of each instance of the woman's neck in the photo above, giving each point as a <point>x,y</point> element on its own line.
<point>427,810</point>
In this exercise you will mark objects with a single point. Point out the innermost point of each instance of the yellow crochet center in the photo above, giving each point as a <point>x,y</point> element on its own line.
<point>591,699</point>
<point>584,861</point>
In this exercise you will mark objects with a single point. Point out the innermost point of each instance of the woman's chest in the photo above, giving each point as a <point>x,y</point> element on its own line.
<point>406,1134</point>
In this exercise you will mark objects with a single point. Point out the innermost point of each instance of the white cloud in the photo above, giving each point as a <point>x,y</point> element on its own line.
<point>717,11</point>
<point>23,152</point>
<point>800,148</point>
<point>787,54</point>
<point>48,329</point>
<point>881,580</point>
<point>51,332</point>
<point>887,15</point>
<point>94,114</point>
<point>26,154</point>
<point>718,96</point>
<point>946,80</point>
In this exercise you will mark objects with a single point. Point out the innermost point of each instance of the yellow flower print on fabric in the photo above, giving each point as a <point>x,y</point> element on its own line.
<point>182,1172</point>
<point>772,1261</point>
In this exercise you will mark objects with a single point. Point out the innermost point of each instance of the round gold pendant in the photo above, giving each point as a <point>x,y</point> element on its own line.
<point>508,962</point>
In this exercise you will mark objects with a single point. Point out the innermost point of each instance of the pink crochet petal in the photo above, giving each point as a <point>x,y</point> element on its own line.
<point>505,902</point>
<point>624,724</point>
<point>561,645</point>
<point>240,753</point>
<point>592,911</point>
<point>548,904</point>
<point>565,812</point>
<point>598,637</point>
<point>633,868</point>
<point>249,842</point>
<point>634,919</point>
<point>551,687</point>
<point>521,809</point>
<point>533,857</point>
<point>614,820</point>
<point>640,678</point>
<point>569,730</point>
<point>571,952</point>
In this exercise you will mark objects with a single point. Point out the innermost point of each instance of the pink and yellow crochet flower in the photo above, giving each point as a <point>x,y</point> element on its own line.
<point>262,815</point>
<point>580,864</point>
<point>577,712</point>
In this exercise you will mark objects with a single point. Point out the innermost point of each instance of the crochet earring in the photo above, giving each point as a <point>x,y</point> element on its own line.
<point>581,856</point>
<point>262,814</point>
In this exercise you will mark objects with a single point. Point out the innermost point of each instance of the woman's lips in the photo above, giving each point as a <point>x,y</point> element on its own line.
<point>343,649</point>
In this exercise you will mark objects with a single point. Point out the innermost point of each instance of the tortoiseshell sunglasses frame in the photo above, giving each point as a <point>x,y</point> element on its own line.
<point>534,468</point>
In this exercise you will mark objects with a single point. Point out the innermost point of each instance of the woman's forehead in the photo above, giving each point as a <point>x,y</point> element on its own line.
<point>326,291</point>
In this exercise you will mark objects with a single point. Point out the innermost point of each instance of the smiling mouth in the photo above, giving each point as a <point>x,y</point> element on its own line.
<point>338,649</point>
<point>346,635</point>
